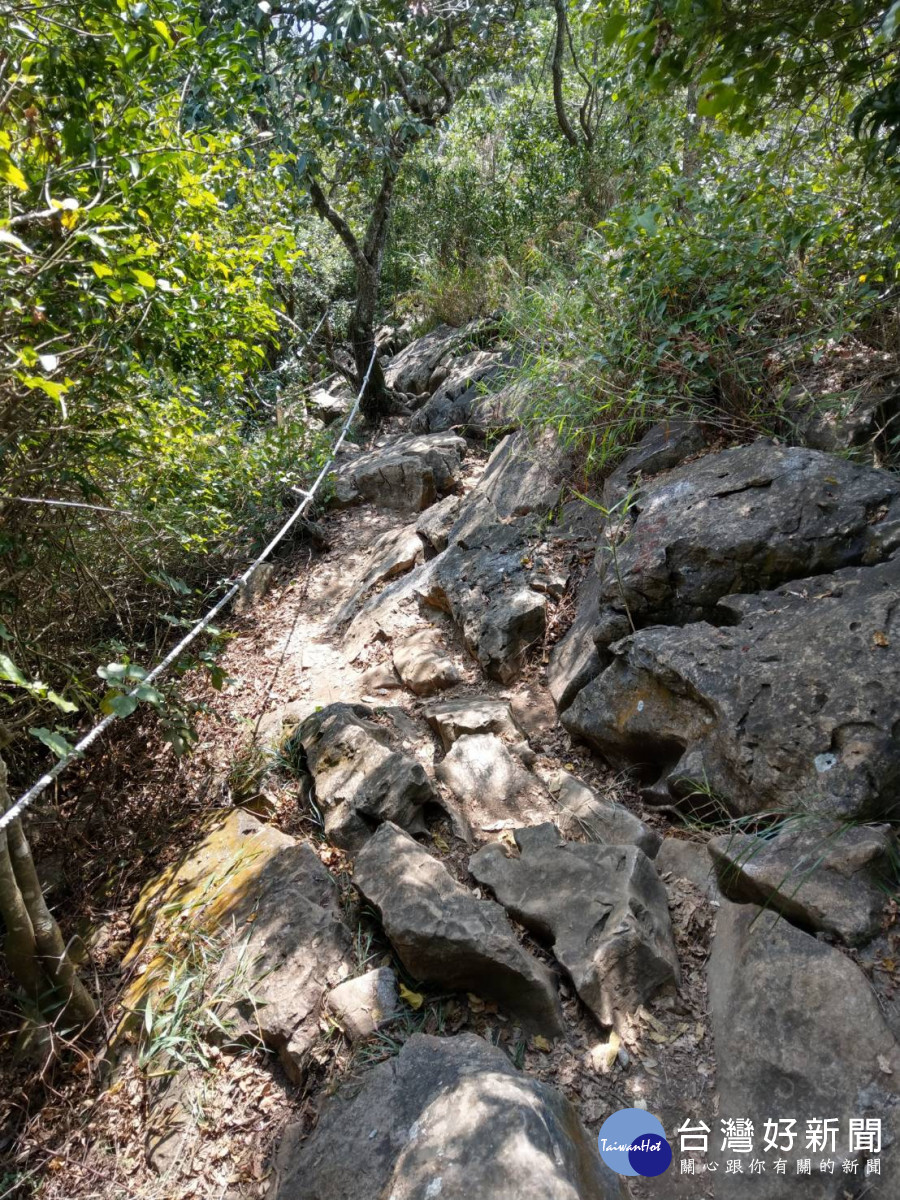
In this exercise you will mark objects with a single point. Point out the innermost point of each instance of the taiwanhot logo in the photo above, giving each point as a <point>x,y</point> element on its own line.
<point>632,1142</point>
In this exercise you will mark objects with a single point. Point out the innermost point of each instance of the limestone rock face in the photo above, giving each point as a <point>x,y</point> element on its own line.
<point>490,784</point>
<point>798,1035</point>
<point>584,814</point>
<point>407,474</point>
<point>603,908</point>
<point>818,873</point>
<point>278,910</point>
<point>453,719</point>
<point>364,1004</point>
<point>411,370</point>
<point>448,1118</point>
<point>444,935</point>
<point>742,520</point>
<point>798,705</point>
<point>423,664</point>
<point>461,404</point>
<point>435,523</point>
<point>360,778</point>
<point>489,578</point>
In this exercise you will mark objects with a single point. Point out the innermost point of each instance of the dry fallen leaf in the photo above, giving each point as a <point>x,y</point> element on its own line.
<point>413,999</point>
<point>880,639</point>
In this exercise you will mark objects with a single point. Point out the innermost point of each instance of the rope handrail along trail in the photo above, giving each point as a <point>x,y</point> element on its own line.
<point>89,738</point>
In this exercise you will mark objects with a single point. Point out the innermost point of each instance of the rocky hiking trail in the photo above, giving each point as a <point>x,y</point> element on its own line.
<point>506,801</point>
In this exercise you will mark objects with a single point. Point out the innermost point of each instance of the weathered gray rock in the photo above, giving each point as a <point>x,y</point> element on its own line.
<point>664,446</point>
<point>575,661</point>
<point>394,553</point>
<point>453,719</point>
<point>407,474</point>
<point>818,874</point>
<point>461,402</point>
<point>411,370</point>
<point>331,400</point>
<point>435,523</point>
<point>798,706</point>
<point>364,1004</point>
<point>683,859</point>
<point>584,814</point>
<point>603,908</point>
<point>490,783</point>
<point>448,1118</point>
<point>798,1034</point>
<point>443,935</point>
<point>360,778</point>
<point>740,521</point>
<point>492,578</point>
<point>277,911</point>
<point>422,663</point>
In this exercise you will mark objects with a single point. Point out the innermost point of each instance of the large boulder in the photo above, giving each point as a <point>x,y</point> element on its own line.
<point>586,816</point>
<point>796,706</point>
<point>463,403</point>
<point>603,909</point>
<point>408,474</point>
<point>448,1118</point>
<point>739,521</point>
<point>798,1036</point>
<point>820,874</point>
<point>491,784</point>
<point>664,446</point>
<point>411,370</point>
<point>492,578</point>
<point>453,719</point>
<point>444,935</point>
<point>361,778</point>
<point>276,909</point>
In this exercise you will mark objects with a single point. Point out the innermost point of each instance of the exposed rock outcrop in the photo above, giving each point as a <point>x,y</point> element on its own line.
<point>448,1118</point>
<point>407,474</point>
<point>490,784</point>
<point>361,778</point>
<point>799,1035</point>
<point>602,908</point>
<point>444,935</point>
<point>819,874</point>
<point>276,908</point>
<point>798,705</point>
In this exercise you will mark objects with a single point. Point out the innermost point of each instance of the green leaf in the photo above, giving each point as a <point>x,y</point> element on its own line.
<point>144,278</point>
<point>52,740</point>
<point>10,672</point>
<point>119,704</point>
<point>64,705</point>
<point>101,270</point>
<point>11,173</point>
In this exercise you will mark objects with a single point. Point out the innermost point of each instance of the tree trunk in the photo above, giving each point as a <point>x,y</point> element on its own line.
<point>38,945</point>
<point>377,401</point>
<point>19,945</point>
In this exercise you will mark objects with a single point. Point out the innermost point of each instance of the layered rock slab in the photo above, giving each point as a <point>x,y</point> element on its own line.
<point>447,1118</point>
<point>799,1035</point>
<point>796,706</point>
<point>278,910</point>
<point>361,777</point>
<point>444,935</point>
<point>407,474</point>
<point>819,874</point>
<point>603,909</point>
<point>490,577</point>
<point>742,520</point>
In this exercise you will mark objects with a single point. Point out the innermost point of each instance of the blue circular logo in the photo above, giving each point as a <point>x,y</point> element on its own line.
<point>633,1142</point>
